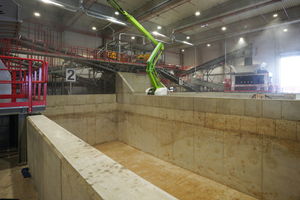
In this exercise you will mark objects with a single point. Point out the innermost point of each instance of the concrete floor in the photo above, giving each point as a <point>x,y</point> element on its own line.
<point>177,181</point>
<point>12,183</point>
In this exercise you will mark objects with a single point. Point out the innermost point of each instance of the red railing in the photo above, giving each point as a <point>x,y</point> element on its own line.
<point>52,49</point>
<point>27,82</point>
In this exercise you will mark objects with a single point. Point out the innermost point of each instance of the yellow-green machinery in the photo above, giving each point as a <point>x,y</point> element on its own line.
<point>158,88</point>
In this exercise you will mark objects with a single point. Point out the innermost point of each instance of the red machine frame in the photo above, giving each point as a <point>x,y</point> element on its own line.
<point>26,84</point>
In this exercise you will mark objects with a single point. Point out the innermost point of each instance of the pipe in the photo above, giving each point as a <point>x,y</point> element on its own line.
<point>260,12</point>
<point>195,67</point>
<point>285,10</point>
<point>120,38</point>
<point>113,33</point>
<point>163,41</point>
<point>107,44</point>
<point>108,25</point>
<point>105,17</point>
<point>87,12</point>
<point>225,65</point>
<point>184,42</point>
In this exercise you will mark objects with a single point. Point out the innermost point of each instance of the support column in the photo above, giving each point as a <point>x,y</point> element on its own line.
<point>22,139</point>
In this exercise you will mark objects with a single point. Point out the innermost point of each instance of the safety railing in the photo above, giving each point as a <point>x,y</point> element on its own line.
<point>27,84</point>
<point>42,48</point>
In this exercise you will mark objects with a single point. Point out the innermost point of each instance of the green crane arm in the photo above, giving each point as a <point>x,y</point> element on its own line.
<point>159,47</point>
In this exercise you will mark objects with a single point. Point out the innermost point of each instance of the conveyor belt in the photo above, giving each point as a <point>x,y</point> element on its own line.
<point>219,61</point>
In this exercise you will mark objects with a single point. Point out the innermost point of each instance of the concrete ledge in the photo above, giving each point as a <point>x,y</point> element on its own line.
<point>78,170</point>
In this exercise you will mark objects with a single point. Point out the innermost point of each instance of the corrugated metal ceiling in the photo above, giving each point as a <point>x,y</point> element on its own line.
<point>272,8</point>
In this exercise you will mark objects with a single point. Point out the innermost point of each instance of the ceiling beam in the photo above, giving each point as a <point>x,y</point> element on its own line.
<point>257,22</point>
<point>149,7</point>
<point>233,6</point>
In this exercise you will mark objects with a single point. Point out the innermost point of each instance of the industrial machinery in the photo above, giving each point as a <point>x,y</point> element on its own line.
<point>251,78</point>
<point>143,58</point>
<point>158,88</point>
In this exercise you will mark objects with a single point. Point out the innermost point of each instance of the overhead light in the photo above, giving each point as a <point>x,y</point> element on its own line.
<point>159,27</point>
<point>54,3</point>
<point>188,37</point>
<point>133,37</point>
<point>224,28</point>
<point>157,33</point>
<point>285,30</point>
<point>116,13</point>
<point>185,42</point>
<point>241,39</point>
<point>204,25</point>
<point>208,45</point>
<point>37,14</point>
<point>115,21</point>
<point>197,13</point>
<point>182,50</point>
<point>275,15</point>
<point>94,28</point>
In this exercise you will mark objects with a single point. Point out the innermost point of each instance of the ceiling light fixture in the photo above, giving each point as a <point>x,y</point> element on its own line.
<point>116,13</point>
<point>37,14</point>
<point>52,2</point>
<point>275,15</point>
<point>185,42</point>
<point>188,37</point>
<point>241,39</point>
<point>182,50</point>
<point>115,21</point>
<point>224,28</point>
<point>197,13</point>
<point>208,45</point>
<point>159,27</point>
<point>285,30</point>
<point>157,33</point>
<point>94,28</point>
<point>132,37</point>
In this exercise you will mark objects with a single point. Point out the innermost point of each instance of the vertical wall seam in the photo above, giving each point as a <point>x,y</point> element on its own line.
<point>223,161</point>
<point>262,167</point>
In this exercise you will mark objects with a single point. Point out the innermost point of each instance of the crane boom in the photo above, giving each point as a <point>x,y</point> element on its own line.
<point>155,55</point>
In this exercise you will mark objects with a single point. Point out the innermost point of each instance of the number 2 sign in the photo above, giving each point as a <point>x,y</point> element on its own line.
<point>70,75</point>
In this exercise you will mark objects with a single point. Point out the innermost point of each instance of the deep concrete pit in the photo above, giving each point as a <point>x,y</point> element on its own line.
<point>180,183</point>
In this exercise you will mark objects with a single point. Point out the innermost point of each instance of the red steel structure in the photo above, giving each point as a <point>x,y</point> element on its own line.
<point>52,50</point>
<point>28,83</point>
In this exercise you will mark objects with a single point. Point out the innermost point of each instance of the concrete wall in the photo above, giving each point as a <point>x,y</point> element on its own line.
<point>85,40</point>
<point>250,145</point>
<point>247,144</point>
<point>172,58</point>
<point>92,118</point>
<point>65,167</point>
<point>132,83</point>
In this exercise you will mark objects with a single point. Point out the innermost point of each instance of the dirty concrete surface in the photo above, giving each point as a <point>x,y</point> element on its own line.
<point>12,183</point>
<point>180,183</point>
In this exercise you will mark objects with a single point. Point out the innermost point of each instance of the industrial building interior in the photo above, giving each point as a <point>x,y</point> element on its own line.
<point>156,99</point>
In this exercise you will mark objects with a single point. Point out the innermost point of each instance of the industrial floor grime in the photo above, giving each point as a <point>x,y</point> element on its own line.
<point>12,183</point>
<point>180,183</point>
